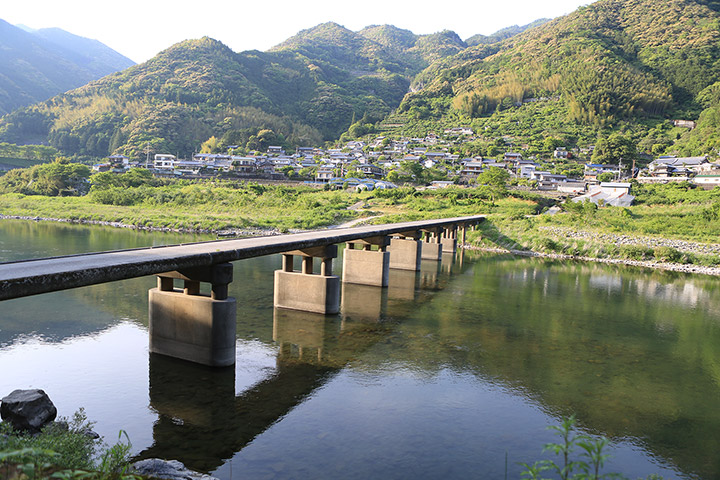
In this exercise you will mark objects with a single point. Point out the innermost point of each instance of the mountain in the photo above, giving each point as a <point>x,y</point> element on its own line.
<point>37,65</point>
<point>614,64</point>
<point>504,33</point>
<point>91,54</point>
<point>308,89</point>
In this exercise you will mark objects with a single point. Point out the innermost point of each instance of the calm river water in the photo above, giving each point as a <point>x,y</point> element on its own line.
<point>455,372</point>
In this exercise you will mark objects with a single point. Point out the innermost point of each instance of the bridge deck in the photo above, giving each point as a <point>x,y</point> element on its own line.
<point>31,277</point>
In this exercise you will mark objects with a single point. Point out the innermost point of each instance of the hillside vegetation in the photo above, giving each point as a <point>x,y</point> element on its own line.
<point>614,65</point>
<point>307,90</point>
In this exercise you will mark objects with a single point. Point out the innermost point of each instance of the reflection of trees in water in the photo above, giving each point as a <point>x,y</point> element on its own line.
<point>631,360</point>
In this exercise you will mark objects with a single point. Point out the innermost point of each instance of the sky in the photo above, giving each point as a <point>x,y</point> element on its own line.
<point>140,29</point>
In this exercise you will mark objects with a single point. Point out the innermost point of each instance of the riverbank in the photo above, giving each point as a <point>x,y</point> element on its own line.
<point>673,267</point>
<point>556,233</point>
<point>539,237</point>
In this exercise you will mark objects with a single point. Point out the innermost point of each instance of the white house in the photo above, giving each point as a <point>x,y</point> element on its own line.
<point>615,194</point>
<point>164,161</point>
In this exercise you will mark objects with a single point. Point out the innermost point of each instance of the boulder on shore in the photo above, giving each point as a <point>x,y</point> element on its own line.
<point>169,469</point>
<point>27,410</point>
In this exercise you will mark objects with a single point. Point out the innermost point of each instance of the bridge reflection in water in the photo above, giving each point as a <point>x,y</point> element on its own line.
<point>202,421</point>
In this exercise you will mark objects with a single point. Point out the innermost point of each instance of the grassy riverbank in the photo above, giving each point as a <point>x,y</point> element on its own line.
<point>669,223</point>
<point>218,206</point>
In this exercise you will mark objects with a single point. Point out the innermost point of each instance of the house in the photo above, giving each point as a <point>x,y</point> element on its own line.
<point>436,156</point>
<point>370,170</point>
<point>164,161</point>
<point>592,170</point>
<point>526,170</point>
<point>101,167</point>
<point>459,131</point>
<point>243,164</point>
<point>472,168</point>
<point>671,166</point>
<point>118,160</point>
<point>305,151</point>
<point>324,174</point>
<point>512,157</point>
<point>561,152</point>
<point>684,124</point>
<point>571,187</point>
<point>615,194</point>
<point>275,150</point>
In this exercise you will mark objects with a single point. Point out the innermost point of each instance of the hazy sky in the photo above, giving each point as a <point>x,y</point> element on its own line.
<point>139,29</point>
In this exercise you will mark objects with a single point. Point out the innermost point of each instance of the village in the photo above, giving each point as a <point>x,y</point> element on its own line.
<point>384,163</point>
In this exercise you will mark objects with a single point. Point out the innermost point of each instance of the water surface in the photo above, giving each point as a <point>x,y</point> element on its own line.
<point>454,372</point>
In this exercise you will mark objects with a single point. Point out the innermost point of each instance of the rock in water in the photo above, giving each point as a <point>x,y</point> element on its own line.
<point>169,469</point>
<point>28,410</point>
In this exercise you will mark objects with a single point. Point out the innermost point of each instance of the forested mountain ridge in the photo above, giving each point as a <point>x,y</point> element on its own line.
<point>504,33</point>
<point>39,64</point>
<point>608,64</point>
<point>625,65</point>
<point>306,90</point>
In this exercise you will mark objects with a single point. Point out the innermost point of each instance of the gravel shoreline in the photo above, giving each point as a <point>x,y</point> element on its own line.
<point>651,242</point>
<point>673,267</point>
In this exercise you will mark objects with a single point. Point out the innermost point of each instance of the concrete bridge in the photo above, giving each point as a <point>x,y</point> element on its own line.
<point>196,325</point>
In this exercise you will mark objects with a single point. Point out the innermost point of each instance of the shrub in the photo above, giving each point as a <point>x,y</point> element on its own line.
<point>63,444</point>
<point>546,244</point>
<point>636,252</point>
<point>667,254</point>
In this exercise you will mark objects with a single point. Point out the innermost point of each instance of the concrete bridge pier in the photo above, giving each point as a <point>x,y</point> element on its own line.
<point>186,324</point>
<point>449,240</point>
<point>406,251</point>
<point>367,266</point>
<point>305,291</point>
<point>432,246</point>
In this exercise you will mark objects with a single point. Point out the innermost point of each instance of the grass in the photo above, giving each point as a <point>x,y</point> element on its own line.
<point>671,212</point>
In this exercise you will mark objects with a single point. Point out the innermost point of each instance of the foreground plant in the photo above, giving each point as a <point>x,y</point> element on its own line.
<point>63,450</point>
<point>587,467</point>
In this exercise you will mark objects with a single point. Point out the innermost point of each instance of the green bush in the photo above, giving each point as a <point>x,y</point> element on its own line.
<point>667,254</point>
<point>546,244</point>
<point>64,444</point>
<point>636,252</point>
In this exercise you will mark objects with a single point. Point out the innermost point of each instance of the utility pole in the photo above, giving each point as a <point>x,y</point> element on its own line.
<point>147,155</point>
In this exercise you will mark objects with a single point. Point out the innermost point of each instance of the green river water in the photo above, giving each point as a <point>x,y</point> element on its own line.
<point>455,372</point>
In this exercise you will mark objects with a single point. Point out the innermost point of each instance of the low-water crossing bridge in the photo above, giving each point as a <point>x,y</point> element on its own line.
<point>188,324</point>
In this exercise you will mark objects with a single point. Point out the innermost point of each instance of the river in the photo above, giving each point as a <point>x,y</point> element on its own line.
<point>456,372</point>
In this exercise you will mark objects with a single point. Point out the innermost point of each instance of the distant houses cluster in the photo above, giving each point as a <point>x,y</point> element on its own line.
<point>359,163</point>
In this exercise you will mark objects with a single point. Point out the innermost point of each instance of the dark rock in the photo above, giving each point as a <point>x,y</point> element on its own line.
<point>169,469</point>
<point>28,410</point>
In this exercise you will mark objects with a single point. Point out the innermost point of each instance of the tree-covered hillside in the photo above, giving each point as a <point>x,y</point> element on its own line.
<point>612,64</point>
<point>306,90</point>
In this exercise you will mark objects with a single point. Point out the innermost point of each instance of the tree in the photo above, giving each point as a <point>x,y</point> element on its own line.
<point>495,179</point>
<point>551,143</point>
<point>614,148</point>
<point>211,145</point>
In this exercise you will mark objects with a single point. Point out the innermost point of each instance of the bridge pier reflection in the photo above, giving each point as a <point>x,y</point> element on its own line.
<point>203,421</point>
